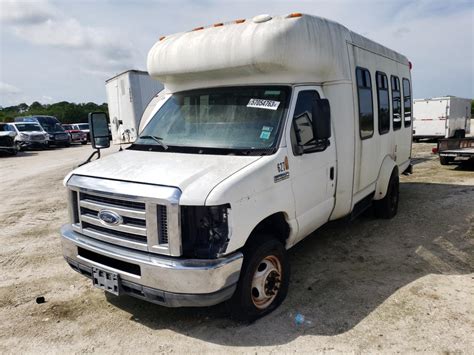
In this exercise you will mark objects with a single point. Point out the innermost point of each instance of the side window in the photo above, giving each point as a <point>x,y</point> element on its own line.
<point>302,132</point>
<point>366,110</point>
<point>383,103</point>
<point>396,103</point>
<point>406,102</point>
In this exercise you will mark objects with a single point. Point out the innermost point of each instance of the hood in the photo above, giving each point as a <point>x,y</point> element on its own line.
<point>7,134</point>
<point>194,174</point>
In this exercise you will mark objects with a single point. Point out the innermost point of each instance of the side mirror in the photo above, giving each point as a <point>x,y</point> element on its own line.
<point>99,130</point>
<point>321,119</point>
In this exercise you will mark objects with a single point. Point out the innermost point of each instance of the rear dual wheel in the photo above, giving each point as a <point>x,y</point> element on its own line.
<point>264,280</point>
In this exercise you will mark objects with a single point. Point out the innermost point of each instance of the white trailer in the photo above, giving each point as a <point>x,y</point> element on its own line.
<point>441,117</point>
<point>128,94</point>
<point>267,129</point>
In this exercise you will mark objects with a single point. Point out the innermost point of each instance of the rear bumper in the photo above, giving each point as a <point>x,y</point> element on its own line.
<point>164,280</point>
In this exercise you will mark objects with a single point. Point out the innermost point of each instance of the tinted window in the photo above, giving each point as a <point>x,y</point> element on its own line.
<point>406,102</point>
<point>366,111</point>
<point>396,103</point>
<point>383,103</point>
<point>302,132</point>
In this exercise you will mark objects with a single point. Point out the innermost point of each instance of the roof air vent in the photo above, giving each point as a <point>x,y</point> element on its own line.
<point>262,18</point>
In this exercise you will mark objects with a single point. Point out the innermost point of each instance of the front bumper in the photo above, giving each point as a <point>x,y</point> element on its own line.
<point>159,279</point>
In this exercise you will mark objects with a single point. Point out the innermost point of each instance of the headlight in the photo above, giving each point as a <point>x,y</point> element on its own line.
<point>24,135</point>
<point>204,231</point>
<point>51,136</point>
<point>46,136</point>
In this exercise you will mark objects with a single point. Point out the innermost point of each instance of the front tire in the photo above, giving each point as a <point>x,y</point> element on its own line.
<point>263,282</point>
<point>387,207</point>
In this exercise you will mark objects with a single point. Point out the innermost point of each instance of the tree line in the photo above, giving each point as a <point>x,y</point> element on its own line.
<point>65,112</point>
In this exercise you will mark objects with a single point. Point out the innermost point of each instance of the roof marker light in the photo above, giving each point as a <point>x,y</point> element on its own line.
<point>198,28</point>
<point>218,24</point>
<point>294,14</point>
<point>241,20</point>
<point>410,65</point>
<point>162,38</point>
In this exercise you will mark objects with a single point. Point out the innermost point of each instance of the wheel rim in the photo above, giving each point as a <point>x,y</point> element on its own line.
<point>266,282</point>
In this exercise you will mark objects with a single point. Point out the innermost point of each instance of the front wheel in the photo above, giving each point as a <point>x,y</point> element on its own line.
<point>387,207</point>
<point>263,282</point>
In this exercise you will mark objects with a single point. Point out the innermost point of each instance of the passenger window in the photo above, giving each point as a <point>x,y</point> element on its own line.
<point>366,111</point>
<point>406,102</point>
<point>383,103</point>
<point>396,103</point>
<point>302,130</point>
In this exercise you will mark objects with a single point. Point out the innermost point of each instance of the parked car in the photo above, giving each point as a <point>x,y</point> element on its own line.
<point>83,127</point>
<point>7,139</point>
<point>77,136</point>
<point>57,136</point>
<point>29,135</point>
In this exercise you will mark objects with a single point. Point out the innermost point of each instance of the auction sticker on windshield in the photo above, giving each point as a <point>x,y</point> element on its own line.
<point>266,104</point>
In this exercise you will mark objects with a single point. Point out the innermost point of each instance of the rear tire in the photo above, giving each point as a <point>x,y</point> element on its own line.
<point>445,160</point>
<point>263,282</point>
<point>387,207</point>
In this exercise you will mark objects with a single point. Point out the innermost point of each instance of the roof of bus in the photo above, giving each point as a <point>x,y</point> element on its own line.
<point>279,49</point>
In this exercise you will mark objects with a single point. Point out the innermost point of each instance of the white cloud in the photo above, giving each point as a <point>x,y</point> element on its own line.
<point>42,24</point>
<point>7,89</point>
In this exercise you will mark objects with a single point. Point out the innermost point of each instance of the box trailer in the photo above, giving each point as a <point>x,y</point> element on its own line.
<point>128,94</point>
<point>267,128</point>
<point>441,117</point>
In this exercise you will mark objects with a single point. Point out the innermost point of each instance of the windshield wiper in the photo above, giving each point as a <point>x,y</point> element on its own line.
<point>156,139</point>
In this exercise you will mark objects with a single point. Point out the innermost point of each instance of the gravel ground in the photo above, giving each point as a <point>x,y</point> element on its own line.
<point>402,285</point>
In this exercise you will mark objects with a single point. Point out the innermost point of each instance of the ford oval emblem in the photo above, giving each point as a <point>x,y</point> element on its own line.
<point>110,217</point>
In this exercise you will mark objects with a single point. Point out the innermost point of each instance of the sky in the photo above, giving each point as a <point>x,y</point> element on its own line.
<point>54,51</point>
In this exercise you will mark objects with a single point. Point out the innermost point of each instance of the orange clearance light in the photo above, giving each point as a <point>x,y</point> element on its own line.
<point>242,20</point>
<point>198,28</point>
<point>294,14</point>
<point>162,38</point>
<point>410,65</point>
<point>218,24</point>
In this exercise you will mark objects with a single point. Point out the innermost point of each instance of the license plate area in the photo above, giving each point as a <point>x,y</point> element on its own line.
<point>105,280</point>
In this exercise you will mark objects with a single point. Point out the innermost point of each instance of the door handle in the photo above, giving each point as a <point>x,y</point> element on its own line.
<point>331,173</point>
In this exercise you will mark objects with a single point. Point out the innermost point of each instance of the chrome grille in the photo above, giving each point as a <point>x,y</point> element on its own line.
<point>37,137</point>
<point>144,222</point>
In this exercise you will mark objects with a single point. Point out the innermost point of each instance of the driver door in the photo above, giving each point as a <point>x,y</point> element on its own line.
<point>313,173</point>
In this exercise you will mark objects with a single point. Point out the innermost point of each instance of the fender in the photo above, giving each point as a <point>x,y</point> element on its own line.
<point>383,178</point>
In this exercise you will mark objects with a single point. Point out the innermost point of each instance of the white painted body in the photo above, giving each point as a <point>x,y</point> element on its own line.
<point>307,53</point>
<point>128,94</point>
<point>441,117</point>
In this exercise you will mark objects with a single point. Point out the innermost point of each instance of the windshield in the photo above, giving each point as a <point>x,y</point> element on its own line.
<point>52,127</point>
<point>239,119</point>
<point>23,127</point>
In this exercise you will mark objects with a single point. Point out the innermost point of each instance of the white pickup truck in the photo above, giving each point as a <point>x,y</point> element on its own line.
<point>266,129</point>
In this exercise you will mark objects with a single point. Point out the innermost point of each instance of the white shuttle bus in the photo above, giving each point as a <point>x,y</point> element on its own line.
<point>266,129</point>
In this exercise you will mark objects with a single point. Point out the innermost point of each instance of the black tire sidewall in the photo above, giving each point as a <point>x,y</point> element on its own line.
<point>241,305</point>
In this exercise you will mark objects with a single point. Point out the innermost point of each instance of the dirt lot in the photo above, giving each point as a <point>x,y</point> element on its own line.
<point>368,286</point>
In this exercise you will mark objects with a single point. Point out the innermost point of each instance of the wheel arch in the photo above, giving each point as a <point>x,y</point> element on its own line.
<point>276,225</point>
<point>386,169</point>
